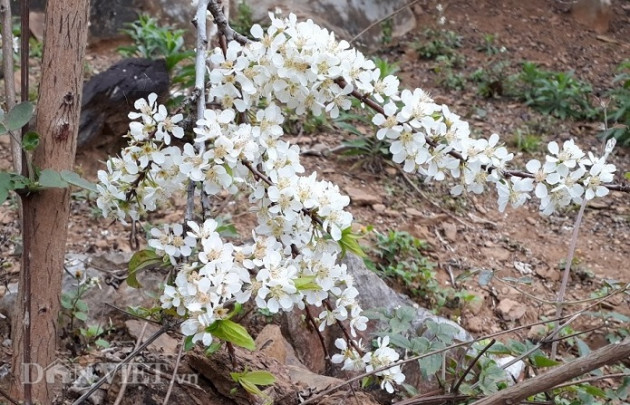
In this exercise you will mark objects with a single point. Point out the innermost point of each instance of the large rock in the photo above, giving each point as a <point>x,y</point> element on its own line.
<point>109,96</point>
<point>374,293</point>
<point>346,18</point>
<point>595,14</point>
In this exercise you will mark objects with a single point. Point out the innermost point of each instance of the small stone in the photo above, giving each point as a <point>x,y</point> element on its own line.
<point>164,344</point>
<point>475,305</point>
<point>391,171</point>
<point>511,310</point>
<point>497,253</point>
<point>362,197</point>
<point>536,332</point>
<point>271,342</point>
<point>548,273</point>
<point>450,231</point>
<point>391,213</point>
<point>475,324</point>
<point>414,212</point>
<point>531,221</point>
<point>379,207</point>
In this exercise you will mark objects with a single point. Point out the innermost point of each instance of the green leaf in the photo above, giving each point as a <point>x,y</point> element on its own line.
<point>306,283</point>
<point>213,348</point>
<point>430,365</point>
<point>51,179</point>
<point>81,306</point>
<point>349,243</point>
<point>102,343</point>
<point>30,141</point>
<point>543,361</point>
<point>582,347</point>
<point>188,343</point>
<point>258,377</point>
<point>251,388</point>
<point>82,316</point>
<point>19,116</point>
<point>76,180</point>
<point>3,129</point>
<point>6,185</point>
<point>595,391</point>
<point>140,261</point>
<point>232,332</point>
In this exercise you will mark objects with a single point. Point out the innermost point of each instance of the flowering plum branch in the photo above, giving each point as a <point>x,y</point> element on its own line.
<point>302,222</point>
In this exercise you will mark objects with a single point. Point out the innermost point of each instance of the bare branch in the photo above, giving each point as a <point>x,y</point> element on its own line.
<point>609,354</point>
<point>223,25</point>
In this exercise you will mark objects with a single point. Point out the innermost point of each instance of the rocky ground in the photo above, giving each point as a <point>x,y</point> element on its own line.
<point>464,235</point>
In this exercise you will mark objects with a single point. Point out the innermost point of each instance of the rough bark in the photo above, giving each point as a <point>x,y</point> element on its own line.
<point>610,354</point>
<point>45,214</point>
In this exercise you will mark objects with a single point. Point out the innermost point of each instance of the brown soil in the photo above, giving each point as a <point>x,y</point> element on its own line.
<point>468,233</point>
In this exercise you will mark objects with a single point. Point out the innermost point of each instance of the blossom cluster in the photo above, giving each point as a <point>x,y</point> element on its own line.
<point>301,221</point>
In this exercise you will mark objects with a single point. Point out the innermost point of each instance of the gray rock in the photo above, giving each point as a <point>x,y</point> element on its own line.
<point>346,18</point>
<point>374,293</point>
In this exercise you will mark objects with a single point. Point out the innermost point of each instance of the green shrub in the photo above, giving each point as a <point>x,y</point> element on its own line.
<point>619,106</point>
<point>557,93</point>
<point>437,43</point>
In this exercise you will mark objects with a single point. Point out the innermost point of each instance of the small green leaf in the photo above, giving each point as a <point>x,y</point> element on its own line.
<point>251,388</point>
<point>30,141</point>
<point>81,305</point>
<point>213,348</point>
<point>582,347</point>
<point>232,332</point>
<point>595,391</point>
<point>76,180</point>
<point>349,243</point>
<point>6,185</point>
<point>51,179</point>
<point>258,377</point>
<point>543,361</point>
<point>19,116</point>
<point>188,343</point>
<point>306,283</point>
<point>139,261</point>
<point>102,343</point>
<point>3,129</point>
<point>82,316</point>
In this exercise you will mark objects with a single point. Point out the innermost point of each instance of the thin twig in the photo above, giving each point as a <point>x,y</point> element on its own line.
<point>125,372</point>
<point>565,303</point>
<point>172,382</point>
<point>311,320</point>
<point>471,365</point>
<point>567,271</point>
<point>223,25</point>
<point>9,83</point>
<point>421,356</point>
<point>369,27</point>
<point>593,378</point>
<point>165,328</point>
<point>7,396</point>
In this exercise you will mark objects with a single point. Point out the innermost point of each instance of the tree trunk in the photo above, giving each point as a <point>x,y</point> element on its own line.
<point>45,214</point>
